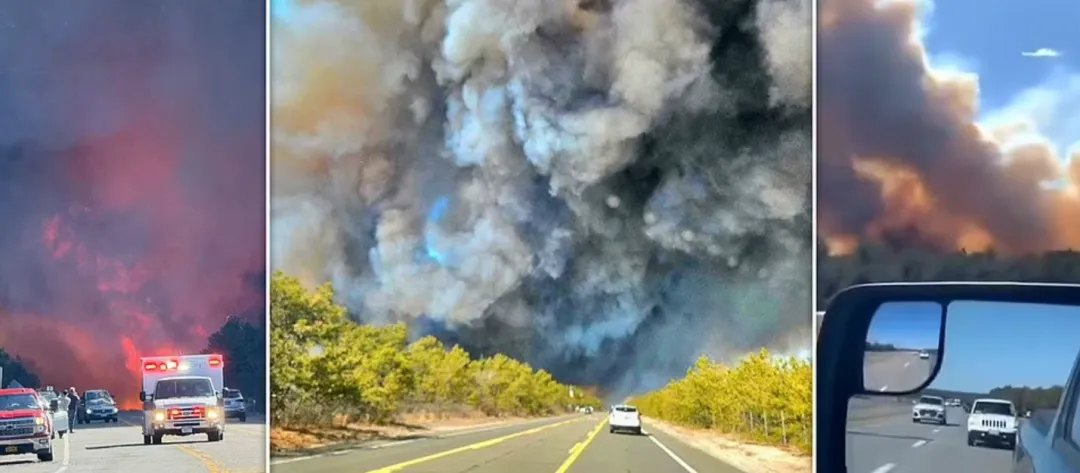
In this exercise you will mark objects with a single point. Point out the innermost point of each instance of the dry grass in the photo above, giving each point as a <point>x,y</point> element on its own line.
<point>412,425</point>
<point>737,453</point>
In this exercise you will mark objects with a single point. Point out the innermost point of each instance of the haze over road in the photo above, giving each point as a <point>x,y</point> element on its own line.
<point>568,444</point>
<point>881,437</point>
<point>896,370</point>
<point>119,448</point>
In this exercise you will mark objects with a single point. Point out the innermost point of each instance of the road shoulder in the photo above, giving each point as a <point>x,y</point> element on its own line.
<point>742,456</point>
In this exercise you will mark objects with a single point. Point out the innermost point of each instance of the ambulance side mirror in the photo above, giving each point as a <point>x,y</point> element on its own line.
<point>142,396</point>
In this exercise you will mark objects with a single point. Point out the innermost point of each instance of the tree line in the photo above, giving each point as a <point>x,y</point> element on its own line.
<point>884,263</point>
<point>762,399</point>
<point>325,368</point>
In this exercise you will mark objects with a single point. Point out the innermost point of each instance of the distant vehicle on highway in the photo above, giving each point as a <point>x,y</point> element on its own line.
<point>993,422</point>
<point>97,404</point>
<point>235,405</point>
<point>924,355</point>
<point>624,418</point>
<point>929,409</point>
<point>25,427</point>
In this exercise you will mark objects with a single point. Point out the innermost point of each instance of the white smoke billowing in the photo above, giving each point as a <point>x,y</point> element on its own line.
<point>601,189</point>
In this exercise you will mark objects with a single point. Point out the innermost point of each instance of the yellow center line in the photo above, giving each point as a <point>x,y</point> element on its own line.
<point>209,463</point>
<point>475,446</point>
<point>575,452</point>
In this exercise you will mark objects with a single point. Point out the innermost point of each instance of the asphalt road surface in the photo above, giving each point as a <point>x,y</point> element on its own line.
<point>569,444</point>
<point>882,439</point>
<point>896,370</point>
<point>118,447</point>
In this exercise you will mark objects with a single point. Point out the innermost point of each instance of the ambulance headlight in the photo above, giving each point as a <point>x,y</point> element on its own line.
<point>212,413</point>
<point>159,416</point>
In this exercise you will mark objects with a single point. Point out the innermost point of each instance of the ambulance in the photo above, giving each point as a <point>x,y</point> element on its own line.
<point>181,395</point>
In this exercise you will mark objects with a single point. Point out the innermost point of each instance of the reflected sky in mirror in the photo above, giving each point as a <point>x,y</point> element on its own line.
<point>912,325</point>
<point>991,344</point>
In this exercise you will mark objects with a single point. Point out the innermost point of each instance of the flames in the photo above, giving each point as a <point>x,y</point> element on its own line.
<point>133,199</point>
<point>902,157</point>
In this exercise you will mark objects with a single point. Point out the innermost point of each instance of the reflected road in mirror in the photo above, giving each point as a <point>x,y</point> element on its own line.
<point>999,361</point>
<point>901,346</point>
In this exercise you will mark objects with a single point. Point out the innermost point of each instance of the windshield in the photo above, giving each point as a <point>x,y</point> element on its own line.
<point>232,394</point>
<point>49,396</point>
<point>98,396</point>
<point>187,387</point>
<point>931,400</point>
<point>15,402</point>
<point>996,408</point>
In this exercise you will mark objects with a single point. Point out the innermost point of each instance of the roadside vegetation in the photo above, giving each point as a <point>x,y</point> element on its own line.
<point>762,399</point>
<point>328,371</point>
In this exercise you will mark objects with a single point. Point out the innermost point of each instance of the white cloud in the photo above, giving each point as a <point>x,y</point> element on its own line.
<point>1050,105</point>
<point>1042,52</point>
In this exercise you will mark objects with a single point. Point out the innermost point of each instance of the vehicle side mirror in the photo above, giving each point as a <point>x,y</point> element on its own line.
<point>54,405</point>
<point>142,396</point>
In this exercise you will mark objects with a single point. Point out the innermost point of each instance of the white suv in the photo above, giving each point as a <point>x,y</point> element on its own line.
<point>992,421</point>
<point>624,417</point>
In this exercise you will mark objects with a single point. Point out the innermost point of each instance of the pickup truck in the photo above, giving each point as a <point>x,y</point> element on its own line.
<point>1048,441</point>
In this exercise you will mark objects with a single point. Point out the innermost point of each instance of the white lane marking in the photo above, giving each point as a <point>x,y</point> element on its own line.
<point>883,388</point>
<point>673,455</point>
<point>886,468</point>
<point>918,444</point>
<point>937,430</point>
<point>906,364</point>
<point>67,455</point>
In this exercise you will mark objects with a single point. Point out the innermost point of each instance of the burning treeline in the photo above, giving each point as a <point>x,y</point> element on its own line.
<point>132,201</point>
<point>902,160</point>
<point>598,188</point>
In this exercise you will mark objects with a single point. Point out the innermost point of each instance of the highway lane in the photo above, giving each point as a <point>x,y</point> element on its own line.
<point>890,442</point>
<point>569,444</point>
<point>118,447</point>
<point>896,370</point>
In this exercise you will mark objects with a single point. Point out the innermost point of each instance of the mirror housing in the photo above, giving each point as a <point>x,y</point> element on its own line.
<point>142,396</point>
<point>841,341</point>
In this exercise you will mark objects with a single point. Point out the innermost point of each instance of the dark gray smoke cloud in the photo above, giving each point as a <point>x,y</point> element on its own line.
<point>132,181</point>
<point>605,189</point>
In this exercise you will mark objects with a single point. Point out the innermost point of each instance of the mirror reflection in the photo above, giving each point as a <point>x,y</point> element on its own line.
<point>1003,368</point>
<point>902,346</point>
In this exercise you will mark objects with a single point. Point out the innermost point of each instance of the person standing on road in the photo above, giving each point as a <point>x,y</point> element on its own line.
<point>73,408</point>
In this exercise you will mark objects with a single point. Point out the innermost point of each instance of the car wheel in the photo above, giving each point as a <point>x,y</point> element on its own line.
<point>45,456</point>
<point>156,439</point>
<point>146,440</point>
<point>971,441</point>
<point>611,430</point>
<point>213,436</point>
<point>243,418</point>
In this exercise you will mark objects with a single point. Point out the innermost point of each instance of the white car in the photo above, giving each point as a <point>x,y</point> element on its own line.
<point>992,421</point>
<point>59,415</point>
<point>624,418</point>
<point>929,409</point>
<point>924,355</point>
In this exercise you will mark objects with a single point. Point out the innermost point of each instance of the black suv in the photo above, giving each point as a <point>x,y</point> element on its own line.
<point>97,404</point>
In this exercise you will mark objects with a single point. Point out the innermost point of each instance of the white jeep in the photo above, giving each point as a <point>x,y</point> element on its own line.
<point>930,409</point>
<point>993,422</point>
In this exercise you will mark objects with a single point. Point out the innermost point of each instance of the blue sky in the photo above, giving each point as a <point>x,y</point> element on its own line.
<point>988,345</point>
<point>989,37</point>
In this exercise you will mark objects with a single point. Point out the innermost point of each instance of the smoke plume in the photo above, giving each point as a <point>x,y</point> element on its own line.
<point>606,189</point>
<point>132,182</point>
<point>902,160</point>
